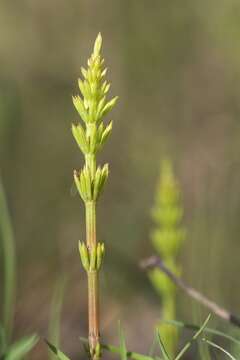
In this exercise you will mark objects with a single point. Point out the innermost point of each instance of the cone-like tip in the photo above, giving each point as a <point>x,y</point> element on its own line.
<point>97,45</point>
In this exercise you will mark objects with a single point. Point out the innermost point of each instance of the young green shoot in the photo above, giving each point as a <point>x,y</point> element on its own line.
<point>90,136</point>
<point>167,238</point>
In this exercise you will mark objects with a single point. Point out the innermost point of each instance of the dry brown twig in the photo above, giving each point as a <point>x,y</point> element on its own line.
<point>156,262</point>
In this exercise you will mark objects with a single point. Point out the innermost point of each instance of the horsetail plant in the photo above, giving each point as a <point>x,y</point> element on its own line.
<point>167,239</point>
<point>92,108</point>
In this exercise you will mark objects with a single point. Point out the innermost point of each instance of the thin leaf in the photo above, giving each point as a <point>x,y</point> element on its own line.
<point>153,345</point>
<point>8,248</point>
<point>234,348</point>
<point>60,355</point>
<point>194,338</point>
<point>122,342</point>
<point>206,330</point>
<point>3,344</point>
<point>162,347</point>
<point>55,315</point>
<point>19,349</point>
<point>219,348</point>
<point>204,351</point>
<point>130,354</point>
<point>116,350</point>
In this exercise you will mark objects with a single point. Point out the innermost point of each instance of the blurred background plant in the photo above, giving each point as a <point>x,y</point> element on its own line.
<point>9,349</point>
<point>8,260</point>
<point>56,309</point>
<point>167,239</point>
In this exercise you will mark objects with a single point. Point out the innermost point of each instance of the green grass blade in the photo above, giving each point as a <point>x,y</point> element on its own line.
<point>116,350</point>
<point>130,354</point>
<point>153,345</point>
<point>194,338</point>
<point>9,261</point>
<point>3,344</point>
<point>19,349</point>
<point>122,343</point>
<point>206,330</point>
<point>60,355</point>
<point>162,347</point>
<point>55,316</point>
<point>212,344</point>
<point>234,348</point>
<point>204,351</point>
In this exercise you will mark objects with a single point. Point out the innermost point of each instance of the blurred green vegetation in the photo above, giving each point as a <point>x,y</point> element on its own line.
<point>9,350</point>
<point>175,66</point>
<point>8,259</point>
<point>167,237</point>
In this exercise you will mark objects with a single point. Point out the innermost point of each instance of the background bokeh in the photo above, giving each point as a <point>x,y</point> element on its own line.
<point>176,68</point>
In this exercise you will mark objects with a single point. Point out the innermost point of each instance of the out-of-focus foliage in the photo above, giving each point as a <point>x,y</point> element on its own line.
<point>124,353</point>
<point>9,350</point>
<point>54,332</point>
<point>57,353</point>
<point>235,347</point>
<point>167,239</point>
<point>8,258</point>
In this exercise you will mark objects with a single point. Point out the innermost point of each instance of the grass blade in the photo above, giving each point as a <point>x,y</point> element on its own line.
<point>206,330</point>
<point>204,351</point>
<point>9,261</point>
<point>116,350</point>
<point>153,345</point>
<point>212,344</point>
<point>122,342</point>
<point>60,355</point>
<point>162,347</point>
<point>3,345</point>
<point>194,338</point>
<point>55,316</point>
<point>19,349</point>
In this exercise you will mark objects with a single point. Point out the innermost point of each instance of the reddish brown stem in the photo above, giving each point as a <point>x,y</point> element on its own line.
<point>93,288</point>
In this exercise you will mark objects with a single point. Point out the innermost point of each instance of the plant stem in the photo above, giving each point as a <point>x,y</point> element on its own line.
<point>93,288</point>
<point>91,224</point>
<point>93,309</point>
<point>117,350</point>
<point>90,160</point>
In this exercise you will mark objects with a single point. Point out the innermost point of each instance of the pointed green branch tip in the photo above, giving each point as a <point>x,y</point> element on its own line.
<point>97,45</point>
<point>84,255</point>
<point>91,258</point>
